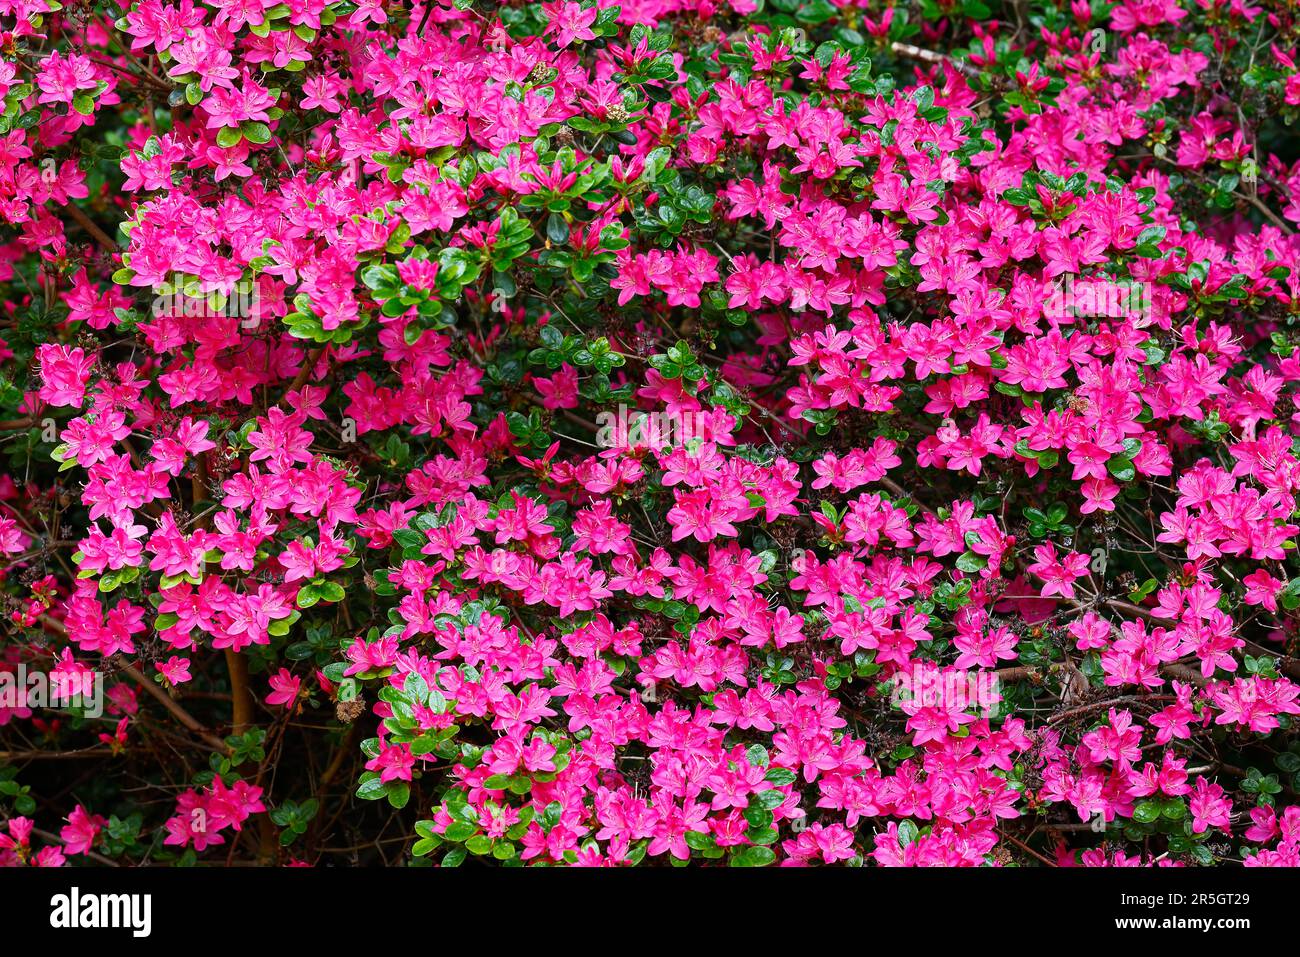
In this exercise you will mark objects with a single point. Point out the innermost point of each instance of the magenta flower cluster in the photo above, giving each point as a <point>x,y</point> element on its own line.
<point>649,432</point>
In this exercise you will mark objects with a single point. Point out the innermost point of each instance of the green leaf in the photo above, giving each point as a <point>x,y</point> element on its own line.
<point>1121,466</point>
<point>1146,811</point>
<point>454,857</point>
<point>399,792</point>
<point>255,132</point>
<point>1173,809</point>
<point>228,137</point>
<point>699,841</point>
<point>753,857</point>
<point>780,776</point>
<point>557,229</point>
<point>907,833</point>
<point>459,831</point>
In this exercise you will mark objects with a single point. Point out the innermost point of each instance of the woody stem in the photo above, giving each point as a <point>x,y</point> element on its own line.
<point>241,694</point>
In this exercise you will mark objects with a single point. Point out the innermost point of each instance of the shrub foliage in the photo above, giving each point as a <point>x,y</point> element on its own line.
<point>715,431</point>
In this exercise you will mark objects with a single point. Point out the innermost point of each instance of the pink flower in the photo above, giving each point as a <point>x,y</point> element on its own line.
<point>569,21</point>
<point>176,670</point>
<point>285,688</point>
<point>81,831</point>
<point>1058,576</point>
<point>1208,807</point>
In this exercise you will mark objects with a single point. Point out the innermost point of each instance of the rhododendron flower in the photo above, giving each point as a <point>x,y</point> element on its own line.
<point>81,831</point>
<point>616,434</point>
<point>284,688</point>
<point>1058,575</point>
<point>569,21</point>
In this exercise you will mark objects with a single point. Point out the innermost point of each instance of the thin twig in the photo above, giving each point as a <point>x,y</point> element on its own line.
<point>172,705</point>
<point>929,56</point>
<point>86,223</point>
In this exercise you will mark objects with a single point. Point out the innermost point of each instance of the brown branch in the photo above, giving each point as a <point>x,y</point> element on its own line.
<point>1184,673</point>
<point>89,226</point>
<point>56,755</point>
<point>1271,216</point>
<point>181,715</point>
<point>910,52</point>
<point>1131,609</point>
<point>898,492</point>
<point>1016,673</point>
<point>148,75</point>
<point>171,704</point>
<point>1122,699</point>
<point>1027,849</point>
<point>304,373</point>
<point>336,763</point>
<point>241,692</point>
